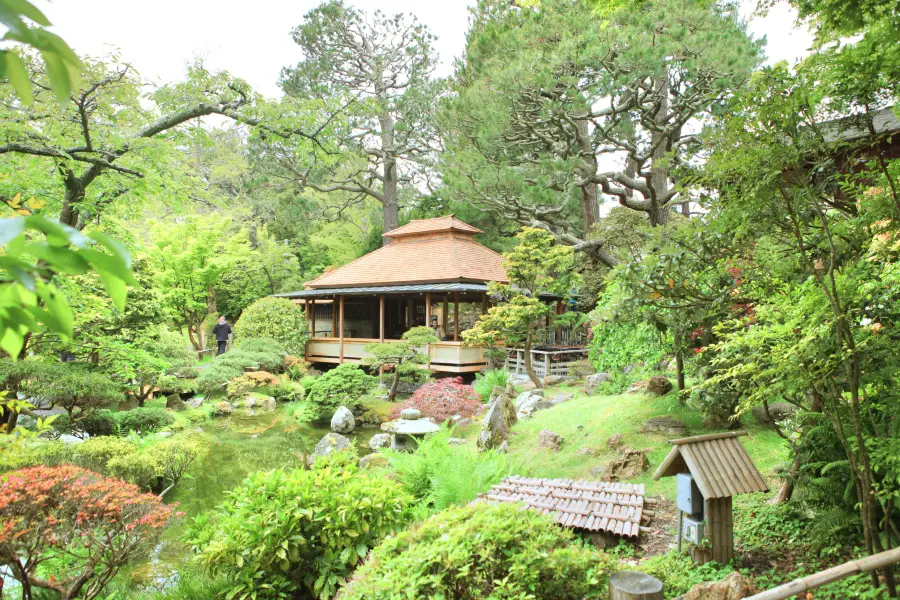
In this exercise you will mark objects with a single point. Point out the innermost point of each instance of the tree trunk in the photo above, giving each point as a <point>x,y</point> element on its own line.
<point>390,201</point>
<point>529,368</point>
<point>659,170</point>
<point>590,207</point>
<point>12,419</point>
<point>395,383</point>
<point>679,368</point>
<point>786,491</point>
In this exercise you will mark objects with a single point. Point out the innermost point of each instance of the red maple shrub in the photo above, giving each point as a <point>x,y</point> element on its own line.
<point>443,398</point>
<point>80,524</point>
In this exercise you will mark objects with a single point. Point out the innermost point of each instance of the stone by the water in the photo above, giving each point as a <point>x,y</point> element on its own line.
<point>332,442</point>
<point>379,441</point>
<point>342,421</point>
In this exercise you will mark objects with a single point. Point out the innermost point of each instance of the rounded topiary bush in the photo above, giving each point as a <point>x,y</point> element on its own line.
<point>482,551</point>
<point>144,420</point>
<point>284,534</point>
<point>345,385</point>
<point>276,318</point>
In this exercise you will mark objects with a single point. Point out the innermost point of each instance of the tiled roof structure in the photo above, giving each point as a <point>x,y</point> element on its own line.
<point>426,251</point>
<point>615,508</point>
<point>719,463</point>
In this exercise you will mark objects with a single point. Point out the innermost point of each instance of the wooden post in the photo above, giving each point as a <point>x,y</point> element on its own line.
<point>484,304</point>
<point>381,318</point>
<point>312,317</point>
<point>546,366</point>
<point>333,317</point>
<point>341,325</point>
<point>631,585</point>
<point>455,316</point>
<point>720,529</point>
<point>306,311</point>
<point>680,529</point>
<point>428,310</point>
<point>409,312</point>
<point>444,315</point>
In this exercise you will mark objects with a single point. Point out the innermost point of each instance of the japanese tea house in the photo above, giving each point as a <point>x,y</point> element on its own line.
<point>430,267</point>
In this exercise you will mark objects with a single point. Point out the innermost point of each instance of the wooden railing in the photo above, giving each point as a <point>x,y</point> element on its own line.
<point>545,362</point>
<point>811,582</point>
<point>453,357</point>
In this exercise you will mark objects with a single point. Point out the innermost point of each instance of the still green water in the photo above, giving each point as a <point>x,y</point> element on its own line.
<point>242,444</point>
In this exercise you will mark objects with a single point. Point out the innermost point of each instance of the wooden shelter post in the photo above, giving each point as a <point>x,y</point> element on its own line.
<point>312,317</point>
<point>333,317</point>
<point>306,312</point>
<point>484,304</point>
<point>720,529</point>
<point>444,315</point>
<point>381,318</point>
<point>455,316</point>
<point>341,324</point>
<point>428,310</point>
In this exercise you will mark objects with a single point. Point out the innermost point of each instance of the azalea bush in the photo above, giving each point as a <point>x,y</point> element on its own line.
<point>274,318</point>
<point>345,385</point>
<point>69,530</point>
<point>483,552</point>
<point>283,533</point>
<point>443,398</point>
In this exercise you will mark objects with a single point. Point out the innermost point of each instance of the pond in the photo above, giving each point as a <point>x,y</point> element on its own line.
<point>242,444</point>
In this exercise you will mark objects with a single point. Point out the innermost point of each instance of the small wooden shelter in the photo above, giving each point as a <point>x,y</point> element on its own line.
<point>429,268</point>
<point>721,468</point>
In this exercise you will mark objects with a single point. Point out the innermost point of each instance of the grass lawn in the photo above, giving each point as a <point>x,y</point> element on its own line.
<point>602,416</point>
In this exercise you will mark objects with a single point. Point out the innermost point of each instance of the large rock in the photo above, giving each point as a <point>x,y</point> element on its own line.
<point>379,441</point>
<point>550,440</point>
<point>628,466</point>
<point>195,402</point>
<point>592,382</point>
<point>553,380</point>
<point>615,441</point>
<point>342,421</point>
<point>498,420</point>
<point>655,386</point>
<point>666,426</point>
<point>222,409</point>
<point>332,442</point>
<point>560,398</point>
<point>779,411</point>
<point>373,460</point>
<point>733,587</point>
<point>174,402</point>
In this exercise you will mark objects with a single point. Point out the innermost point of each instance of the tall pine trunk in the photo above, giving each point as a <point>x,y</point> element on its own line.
<point>390,200</point>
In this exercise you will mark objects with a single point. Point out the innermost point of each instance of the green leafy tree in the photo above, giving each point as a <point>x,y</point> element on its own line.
<point>279,319</point>
<point>536,267</point>
<point>189,260</point>
<point>77,390</point>
<point>377,70</point>
<point>403,357</point>
<point>558,106</point>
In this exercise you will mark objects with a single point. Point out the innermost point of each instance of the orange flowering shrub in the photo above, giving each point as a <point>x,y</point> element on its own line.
<point>77,521</point>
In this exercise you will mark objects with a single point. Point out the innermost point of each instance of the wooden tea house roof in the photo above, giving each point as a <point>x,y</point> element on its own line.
<point>439,250</point>
<point>718,462</point>
<point>616,508</point>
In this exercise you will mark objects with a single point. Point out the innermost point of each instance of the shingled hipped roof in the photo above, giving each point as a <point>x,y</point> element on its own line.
<point>616,508</point>
<point>425,251</point>
<point>719,463</point>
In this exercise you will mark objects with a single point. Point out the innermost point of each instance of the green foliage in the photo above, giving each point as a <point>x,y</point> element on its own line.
<point>403,356</point>
<point>485,383</point>
<point>345,385</point>
<point>283,532</point>
<point>442,475</point>
<point>189,585</point>
<point>74,388</point>
<point>278,319</point>
<point>99,423</point>
<point>616,345</point>
<point>679,573</point>
<point>483,552</point>
<point>287,391</point>
<point>144,420</point>
<point>213,379</point>
<point>536,266</point>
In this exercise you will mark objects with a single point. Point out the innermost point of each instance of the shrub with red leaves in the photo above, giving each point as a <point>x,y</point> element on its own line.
<point>77,521</point>
<point>442,398</point>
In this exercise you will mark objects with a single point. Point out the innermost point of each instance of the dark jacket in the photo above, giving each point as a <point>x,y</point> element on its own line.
<point>222,331</point>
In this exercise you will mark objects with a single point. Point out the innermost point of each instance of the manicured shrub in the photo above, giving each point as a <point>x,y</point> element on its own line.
<point>213,379</point>
<point>100,423</point>
<point>246,383</point>
<point>78,527</point>
<point>75,389</point>
<point>282,533</point>
<point>483,552</point>
<point>442,475</point>
<point>261,344</point>
<point>443,398</point>
<point>485,384</point>
<point>345,385</point>
<point>144,420</point>
<point>276,318</point>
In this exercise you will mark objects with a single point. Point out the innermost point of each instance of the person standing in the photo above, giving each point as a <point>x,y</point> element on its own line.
<point>222,330</point>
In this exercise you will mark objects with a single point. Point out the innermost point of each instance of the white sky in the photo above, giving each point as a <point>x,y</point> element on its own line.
<point>251,39</point>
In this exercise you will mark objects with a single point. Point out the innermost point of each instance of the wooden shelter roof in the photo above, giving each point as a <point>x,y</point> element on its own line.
<point>437,250</point>
<point>616,508</point>
<point>719,463</point>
